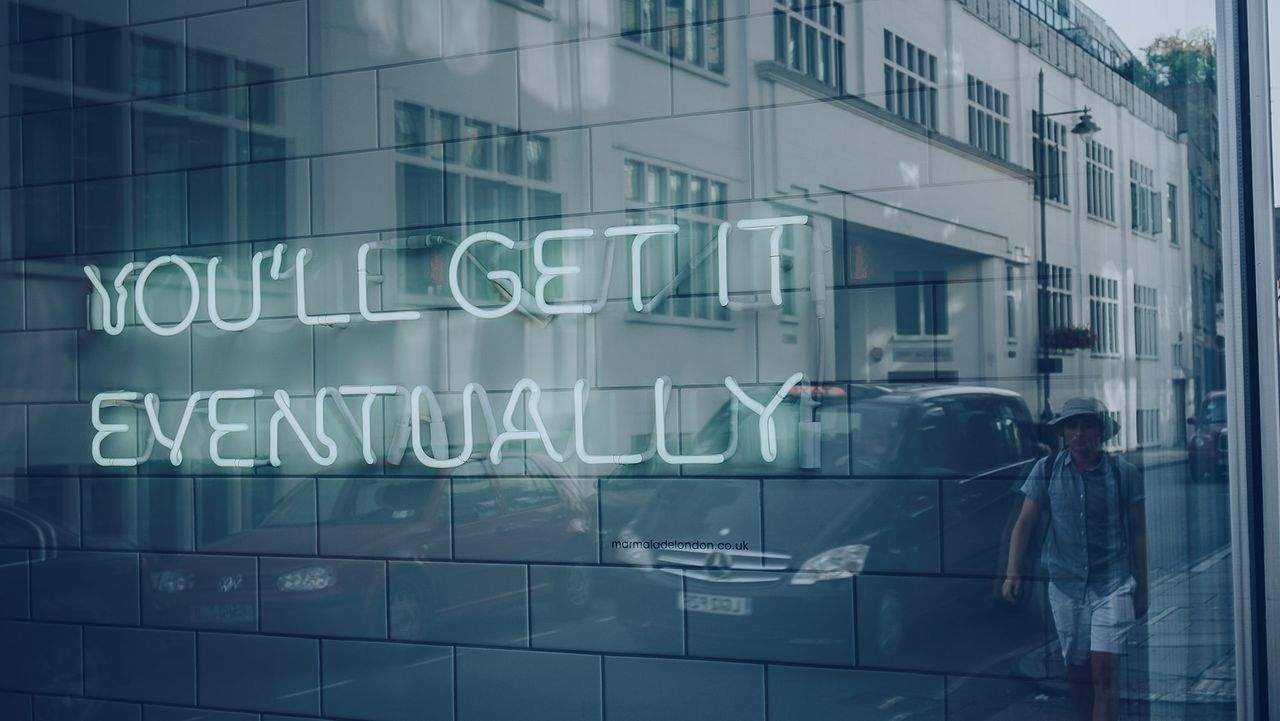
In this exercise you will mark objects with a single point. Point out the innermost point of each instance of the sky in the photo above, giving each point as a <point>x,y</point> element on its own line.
<point>1138,26</point>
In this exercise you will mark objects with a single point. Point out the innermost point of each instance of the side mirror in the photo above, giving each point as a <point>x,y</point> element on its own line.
<point>1191,421</point>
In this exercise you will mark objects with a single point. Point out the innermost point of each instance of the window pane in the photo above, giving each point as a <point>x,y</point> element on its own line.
<point>907,293</point>
<point>341,381</point>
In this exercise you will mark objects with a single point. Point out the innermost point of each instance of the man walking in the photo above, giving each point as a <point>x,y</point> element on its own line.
<point>1095,552</point>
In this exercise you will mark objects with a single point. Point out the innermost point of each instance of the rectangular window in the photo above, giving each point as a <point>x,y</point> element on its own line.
<point>1011,301</point>
<point>1058,288</point>
<point>1050,159</point>
<point>1145,209</point>
<point>988,118</point>
<point>1208,302</point>
<point>811,41</point>
<point>689,31</point>
<point>920,303</point>
<point>1145,319</point>
<point>910,81</point>
<point>497,176</point>
<point>1172,193</point>
<point>1116,442</point>
<point>1104,315</point>
<point>1148,427</point>
<point>679,275</point>
<point>1100,179</point>
<point>410,124</point>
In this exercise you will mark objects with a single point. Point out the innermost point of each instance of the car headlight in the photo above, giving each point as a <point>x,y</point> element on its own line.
<point>1198,441</point>
<point>830,565</point>
<point>172,581</point>
<point>310,578</point>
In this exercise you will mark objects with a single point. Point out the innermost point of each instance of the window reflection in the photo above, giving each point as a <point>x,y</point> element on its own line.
<point>851,553</point>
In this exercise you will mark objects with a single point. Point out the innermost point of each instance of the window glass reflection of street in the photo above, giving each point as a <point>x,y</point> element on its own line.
<point>1008,205</point>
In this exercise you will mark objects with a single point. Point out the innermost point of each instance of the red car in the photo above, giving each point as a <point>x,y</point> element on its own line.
<point>1207,439</point>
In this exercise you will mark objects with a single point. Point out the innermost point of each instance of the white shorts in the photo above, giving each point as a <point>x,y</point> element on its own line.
<point>1100,623</point>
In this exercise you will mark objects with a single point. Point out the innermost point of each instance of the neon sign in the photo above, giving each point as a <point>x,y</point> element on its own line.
<point>321,447</point>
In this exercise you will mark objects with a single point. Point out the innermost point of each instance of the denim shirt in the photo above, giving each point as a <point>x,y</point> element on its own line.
<point>1059,488</point>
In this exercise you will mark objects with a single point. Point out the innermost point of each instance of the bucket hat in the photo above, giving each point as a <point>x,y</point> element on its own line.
<point>1076,407</point>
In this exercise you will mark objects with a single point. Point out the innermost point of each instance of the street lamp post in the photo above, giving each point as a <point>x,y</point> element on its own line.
<point>1084,128</point>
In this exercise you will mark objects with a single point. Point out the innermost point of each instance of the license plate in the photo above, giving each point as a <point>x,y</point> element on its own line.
<point>708,603</point>
<point>222,613</point>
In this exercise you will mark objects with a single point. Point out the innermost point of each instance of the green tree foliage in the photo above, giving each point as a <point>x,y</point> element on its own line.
<point>1178,59</point>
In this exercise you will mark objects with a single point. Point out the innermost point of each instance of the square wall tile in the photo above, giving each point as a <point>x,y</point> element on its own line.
<point>250,45</point>
<point>86,587</point>
<point>538,686</point>
<point>804,692</point>
<point>323,597</point>
<point>140,665</point>
<point>474,603</point>
<point>365,517</point>
<point>591,608</point>
<point>41,657</point>
<point>388,681</point>
<point>676,690</point>
<point>256,515</point>
<point>259,673</point>
<point>348,34</point>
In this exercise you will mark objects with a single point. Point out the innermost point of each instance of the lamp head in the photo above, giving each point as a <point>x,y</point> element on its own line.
<point>1085,128</point>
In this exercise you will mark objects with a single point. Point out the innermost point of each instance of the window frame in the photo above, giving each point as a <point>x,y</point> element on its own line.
<point>988,113</point>
<point>655,205</point>
<point>1057,154</point>
<point>1058,306</point>
<point>1146,322</point>
<point>1100,181</point>
<point>796,30</point>
<point>470,159</point>
<point>924,285</point>
<point>674,37</point>
<point>902,79</point>
<point>1146,207</point>
<point>1104,316</point>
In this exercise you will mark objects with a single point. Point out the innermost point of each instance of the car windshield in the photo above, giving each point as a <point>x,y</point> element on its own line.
<point>1215,410</point>
<point>876,429</point>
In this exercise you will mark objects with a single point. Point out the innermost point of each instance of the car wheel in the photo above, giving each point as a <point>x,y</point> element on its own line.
<point>890,620</point>
<point>407,612</point>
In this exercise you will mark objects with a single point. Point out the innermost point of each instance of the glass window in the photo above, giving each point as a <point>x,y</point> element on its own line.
<point>1104,311</point>
<point>1145,319</point>
<point>911,81</point>
<point>1050,159</point>
<point>811,41</point>
<point>988,118</point>
<point>921,303</point>
<point>680,277</point>
<point>1144,201</point>
<point>689,31</point>
<point>1101,179</point>
<point>652,359</point>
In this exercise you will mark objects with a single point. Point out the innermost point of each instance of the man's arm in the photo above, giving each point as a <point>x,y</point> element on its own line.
<point>1138,531</point>
<point>1018,540</point>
